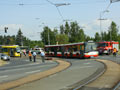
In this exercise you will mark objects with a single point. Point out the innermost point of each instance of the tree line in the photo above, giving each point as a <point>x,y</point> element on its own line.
<point>73,33</point>
<point>20,40</point>
<point>68,33</point>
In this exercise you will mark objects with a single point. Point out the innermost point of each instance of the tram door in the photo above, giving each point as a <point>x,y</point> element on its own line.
<point>55,51</point>
<point>82,48</point>
<point>62,51</point>
<point>12,51</point>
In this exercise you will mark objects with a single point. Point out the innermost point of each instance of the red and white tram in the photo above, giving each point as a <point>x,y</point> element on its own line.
<point>79,50</point>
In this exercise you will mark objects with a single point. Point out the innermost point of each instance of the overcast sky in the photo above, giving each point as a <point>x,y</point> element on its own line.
<point>32,15</point>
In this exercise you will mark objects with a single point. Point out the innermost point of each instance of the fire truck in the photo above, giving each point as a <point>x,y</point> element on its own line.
<point>106,47</point>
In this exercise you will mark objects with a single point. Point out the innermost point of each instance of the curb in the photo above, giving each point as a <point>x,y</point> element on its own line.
<point>62,66</point>
<point>89,79</point>
<point>108,80</point>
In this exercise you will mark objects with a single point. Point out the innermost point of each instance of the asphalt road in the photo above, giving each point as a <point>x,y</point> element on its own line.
<point>110,57</point>
<point>18,68</point>
<point>79,70</point>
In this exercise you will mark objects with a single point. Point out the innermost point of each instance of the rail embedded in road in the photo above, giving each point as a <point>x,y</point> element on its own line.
<point>108,80</point>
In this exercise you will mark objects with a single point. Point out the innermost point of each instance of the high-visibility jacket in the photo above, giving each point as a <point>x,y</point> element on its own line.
<point>114,50</point>
<point>29,54</point>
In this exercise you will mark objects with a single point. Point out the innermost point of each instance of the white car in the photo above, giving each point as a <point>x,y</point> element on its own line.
<point>4,57</point>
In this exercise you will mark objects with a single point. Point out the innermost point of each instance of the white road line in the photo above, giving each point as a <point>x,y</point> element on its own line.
<point>16,69</point>
<point>87,63</point>
<point>33,72</point>
<point>86,66</point>
<point>34,64</point>
<point>3,76</point>
<point>21,65</point>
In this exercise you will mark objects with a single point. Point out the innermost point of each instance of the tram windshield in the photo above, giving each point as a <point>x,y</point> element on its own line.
<point>101,44</point>
<point>90,46</point>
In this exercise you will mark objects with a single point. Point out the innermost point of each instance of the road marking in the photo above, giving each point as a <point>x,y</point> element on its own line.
<point>87,63</point>
<point>16,69</point>
<point>3,76</point>
<point>20,66</point>
<point>34,64</point>
<point>86,66</point>
<point>33,71</point>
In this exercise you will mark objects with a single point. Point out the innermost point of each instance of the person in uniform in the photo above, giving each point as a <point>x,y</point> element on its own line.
<point>30,55</point>
<point>114,52</point>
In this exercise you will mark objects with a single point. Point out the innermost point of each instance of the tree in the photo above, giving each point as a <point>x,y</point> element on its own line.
<point>19,38</point>
<point>113,32</point>
<point>62,39</point>
<point>62,31</point>
<point>76,33</point>
<point>97,37</point>
<point>67,28</point>
<point>48,36</point>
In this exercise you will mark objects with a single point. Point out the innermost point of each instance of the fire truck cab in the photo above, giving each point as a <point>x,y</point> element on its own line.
<point>106,47</point>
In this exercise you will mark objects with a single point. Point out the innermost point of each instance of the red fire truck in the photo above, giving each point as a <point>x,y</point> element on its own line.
<point>106,47</point>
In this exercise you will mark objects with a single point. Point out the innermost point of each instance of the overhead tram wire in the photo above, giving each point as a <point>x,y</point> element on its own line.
<point>56,8</point>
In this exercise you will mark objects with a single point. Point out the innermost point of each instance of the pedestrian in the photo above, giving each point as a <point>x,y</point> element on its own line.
<point>30,55</point>
<point>34,56</point>
<point>20,54</point>
<point>24,52</point>
<point>42,54</point>
<point>114,52</point>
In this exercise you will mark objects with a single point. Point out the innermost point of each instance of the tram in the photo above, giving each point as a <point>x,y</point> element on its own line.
<point>78,50</point>
<point>11,50</point>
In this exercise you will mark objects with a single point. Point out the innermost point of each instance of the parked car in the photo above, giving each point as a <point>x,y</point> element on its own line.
<point>4,57</point>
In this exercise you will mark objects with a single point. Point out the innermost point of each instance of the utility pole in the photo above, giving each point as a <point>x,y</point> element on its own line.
<point>48,38</point>
<point>101,13</point>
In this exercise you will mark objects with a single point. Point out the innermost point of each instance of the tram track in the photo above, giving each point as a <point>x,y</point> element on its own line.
<point>99,82</point>
<point>117,87</point>
<point>93,77</point>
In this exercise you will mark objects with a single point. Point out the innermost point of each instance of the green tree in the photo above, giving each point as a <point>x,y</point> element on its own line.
<point>76,33</point>
<point>67,28</point>
<point>62,31</point>
<point>19,38</point>
<point>97,37</point>
<point>62,39</point>
<point>48,36</point>
<point>113,32</point>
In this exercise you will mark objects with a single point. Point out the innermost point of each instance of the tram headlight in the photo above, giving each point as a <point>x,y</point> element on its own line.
<point>86,54</point>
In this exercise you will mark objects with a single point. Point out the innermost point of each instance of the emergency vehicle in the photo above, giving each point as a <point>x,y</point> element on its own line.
<point>106,47</point>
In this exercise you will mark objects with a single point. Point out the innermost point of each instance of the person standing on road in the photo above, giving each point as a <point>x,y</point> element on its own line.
<point>42,54</point>
<point>30,55</point>
<point>34,56</point>
<point>114,52</point>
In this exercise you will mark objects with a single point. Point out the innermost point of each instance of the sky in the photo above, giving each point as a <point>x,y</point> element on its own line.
<point>32,15</point>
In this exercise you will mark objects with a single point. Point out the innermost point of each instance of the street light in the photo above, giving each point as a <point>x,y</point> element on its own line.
<point>101,13</point>
<point>112,1</point>
<point>6,28</point>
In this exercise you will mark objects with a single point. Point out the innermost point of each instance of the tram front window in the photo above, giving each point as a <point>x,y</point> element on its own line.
<point>18,50</point>
<point>90,47</point>
<point>102,44</point>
